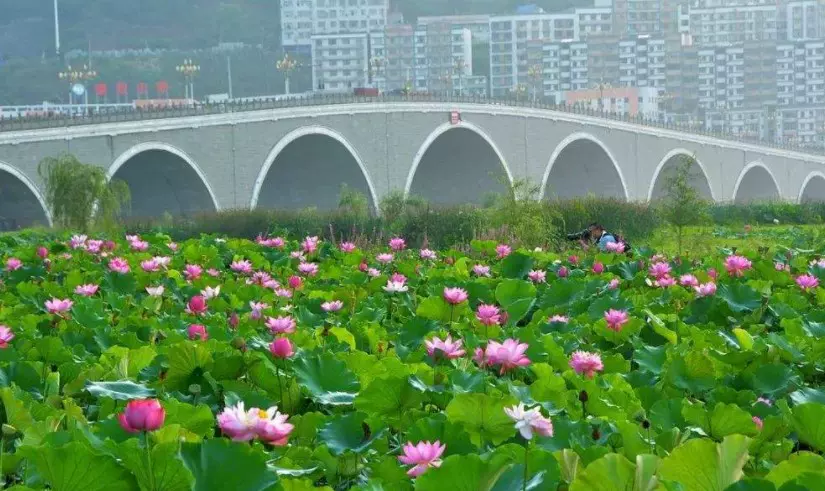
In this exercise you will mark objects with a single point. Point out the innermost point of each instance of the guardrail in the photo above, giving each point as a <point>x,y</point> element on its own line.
<point>114,115</point>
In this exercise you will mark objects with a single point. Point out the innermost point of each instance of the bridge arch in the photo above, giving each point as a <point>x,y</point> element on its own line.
<point>700,182</point>
<point>311,183</point>
<point>813,188</point>
<point>582,164</point>
<point>755,183</point>
<point>21,204</point>
<point>163,179</point>
<point>470,158</point>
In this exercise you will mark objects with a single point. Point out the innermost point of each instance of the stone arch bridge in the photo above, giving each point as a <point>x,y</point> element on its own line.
<point>296,157</point>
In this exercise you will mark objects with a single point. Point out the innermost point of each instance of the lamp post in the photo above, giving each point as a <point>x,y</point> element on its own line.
<point>77,76</point>
<point>724,107</point>
<point>286,65</point>
<point>535,73</point>
<point>519,90</point>
<point>602,86</point>
<point>376,64</point>
<point>459,67</point>
<point>189,69</point>
<point>447,83</point>
<point>662,100</point>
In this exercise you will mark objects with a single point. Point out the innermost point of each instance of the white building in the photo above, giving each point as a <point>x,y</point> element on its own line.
<point>642,62</point>
<point>800,73</point>
<point>721,78</point>
<point>340,62</point>
<point>564,67</point>
<point>479,25</point>
<point>301,19</point>
<point>803,19</point>
<point>719,22</point>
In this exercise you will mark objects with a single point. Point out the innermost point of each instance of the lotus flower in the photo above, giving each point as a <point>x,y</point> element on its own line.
<point>764,401</point>
<point>529,421</point>
<point>616,247</point>
<point>139,245</point>
<point>586,364</point>
<point>373,273</point>
<point>616,319</point>
<point>295,282</point>
<point>665,282</point>
<point>257,309</point>
<point>192,272</point>
<point>347,247</point>
<point>238,423</point>
<point>503,250</point>
<point>272,427</point>
<point>333,306</point>
<point>142,415</point>
<point>57,306</point>
<point>242,267</point>
<point>489,315</point>
<point>598,268</point>
<point>705,289</point>
<point>758,422</point>
<point>155,291</point>
<point>807,282</point>
<point>688,280</point>
<point>455,296</point>
<point>714,275</point>
<point>281,325</point>
<point>78,241</point>
<point>560,319</point>
<point>659,270</point>
<point>537,276</point>
<point>481,270</point>
<point>310,244</point>
<point>427,254</point>
<point>737,265</point>
<point>281,348</point>
<point>299,255</point>
<point>446,348</point>
<point>86,290</point>
<point>276,242</point>
<point>614,283</point>
<point>94,246</point>
<point>150,265</point>
<point>163,261</point>
<point>42,252</point>
<point>173,246</point>
<point>563,272</point>
<point>779,266</point>
<point>283,292</point>
<point>13,264</point>
<point>308,269</point>
<point>395,287</point>
<point>197,305</point>
<point>197,331</point>
<point>384,258</point>
<point>573,259</point>
<point>422,456</point>
<point>119,265</point>
<point>397,244</point>
<point>6,335</point>
<point>507,355</point>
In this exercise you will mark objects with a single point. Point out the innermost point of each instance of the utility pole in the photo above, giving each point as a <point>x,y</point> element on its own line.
<point>56,30</point>
<point>229,74</point>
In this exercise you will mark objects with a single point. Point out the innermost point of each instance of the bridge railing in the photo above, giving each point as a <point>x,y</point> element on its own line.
<point>122,114</point>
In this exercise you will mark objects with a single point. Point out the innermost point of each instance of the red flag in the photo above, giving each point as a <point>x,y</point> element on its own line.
<point>142,88</point>
<point>101,89</point>
<point>162,87</point>
<point>122,88</point>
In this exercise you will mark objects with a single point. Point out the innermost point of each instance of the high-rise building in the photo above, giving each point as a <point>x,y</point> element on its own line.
<point>340,62</point>
<point>393,57</point>
<point>716,22</point>
<point>301,19</point>
<point>801,20</point>
<point>642,62</point>
<point>479,25</point>
<point>800,73</point>
<point>564,68</point>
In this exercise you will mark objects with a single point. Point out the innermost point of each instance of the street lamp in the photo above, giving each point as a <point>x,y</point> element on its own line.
<point>376,64</point>
<point>602,86</point>
<point>519,90</point>
<point>724,107</point>
<point>189,69</point>
<point>460,66</point>
<point>535,73</point>
<point>77,76</point>
<point>286,65</point>
<point>662,100</point>
<point>447,83</point>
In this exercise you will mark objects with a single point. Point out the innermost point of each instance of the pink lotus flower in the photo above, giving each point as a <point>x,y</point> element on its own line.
<point>737,265</point>
<point>295,282</point>
<point>333,306</point>
<point>489,315</point>
<point>308,269</point>
<point>436,348</point>
<point>395,287</point>
<point>210,293</point>
<point>705,289</point>
<point>257,309</point>
<point>616,319</point>
<point>86,290</point>
<point>480,357</point>
<point>197,305</point>
<point>42,252</point>
<point>233,320</point>
<point>398,244</point>
<point>142,415</point>
<point>481,270</point>
<point>172,246</point>
<point>574,260</point>
<point>281,348</point>
<point>714,275</point>
<point>139,245</point>
<point>281,325</point>
<point>57,306</point>
<point>163,261</point>
<point>283,293</point>
<point>298,255</point>
<point>508,355</point>
<point>155,291</point>
<point>659,270</point>
<point>422,456</point>
<point>779,266</point>
<point>373,273</point>
<point>561,319</point>
<point>614,283</point>
<point>213,272</point>
<point>78,241</point>
<point>807,282</point>
<point>347,247</point>
<point>537,276</point>
<point>764,401</point>
<point>427,254</point>
<point>615,247</point>
<point>455,296</point>
<point>529,421</point>
<point>758,422</point>
<point>563,272</point>
<point>243,267</point>
<point>688,280</point>
<point>398,278</point>
<point>503,250</point>
<point>6,335</point>
<point>598,268</point>
<point>272,427</point>
<point>237,423</point>
<point>276,242</point>
<point>665,282</point>
<point>586,364</point>
<point>192,272</point>
<point>259,278</point>
<point>13,264</point>
<point>119,265</point>
<point>384,258</point>
<point>150,265</point>
<point>310,245</point>
<point>197,331</point>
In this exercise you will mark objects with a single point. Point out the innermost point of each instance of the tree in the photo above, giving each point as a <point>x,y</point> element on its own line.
<point>79,195</point>
<point>522,214</point>
<point>683,205</point>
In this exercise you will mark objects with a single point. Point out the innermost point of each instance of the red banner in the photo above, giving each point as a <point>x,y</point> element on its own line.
<point>101,89</point>
<point>162,87</point>
<point>142,88</point>
<point>122,88</point>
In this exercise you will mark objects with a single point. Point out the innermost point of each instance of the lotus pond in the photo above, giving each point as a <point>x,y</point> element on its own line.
<point>224,364</point>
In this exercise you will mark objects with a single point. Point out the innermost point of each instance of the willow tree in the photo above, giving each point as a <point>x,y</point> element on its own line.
<point>79,195</point>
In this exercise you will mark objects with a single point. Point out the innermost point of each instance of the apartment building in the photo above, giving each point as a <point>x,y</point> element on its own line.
<point>478,25</point>
<point>393,58</point>
<point>629,101</point>
<point>718,22</point>
<point>301,19</point>
<point>642,62</point>
<point>564,68</point>
<point>801,20</point>
<point>340,62</point>
<point>800,73</point>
